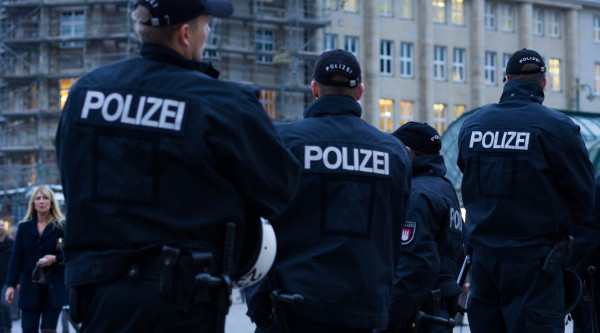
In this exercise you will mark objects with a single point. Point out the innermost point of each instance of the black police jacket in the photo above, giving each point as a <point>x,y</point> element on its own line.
<point>527,177</point>
<point>338,242</point>
<point>154,151</point>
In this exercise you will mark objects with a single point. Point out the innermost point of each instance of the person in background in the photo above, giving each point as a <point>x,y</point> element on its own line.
<point>435,224</point>
<point>36,264</point>
<point>527,181</point>
<point>165,169</point>
<point>339,240</point>
<point>6,248</point>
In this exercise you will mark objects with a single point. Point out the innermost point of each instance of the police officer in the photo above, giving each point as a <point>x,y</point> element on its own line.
<point>433,249</point>
<point>337,242</point>
<point>527,180</point>
<point>163,168</point>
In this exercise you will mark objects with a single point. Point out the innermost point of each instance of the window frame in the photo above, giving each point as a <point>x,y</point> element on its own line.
<point>440,71</point>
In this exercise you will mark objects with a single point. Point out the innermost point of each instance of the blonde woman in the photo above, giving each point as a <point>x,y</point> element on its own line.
<point>36,264</point>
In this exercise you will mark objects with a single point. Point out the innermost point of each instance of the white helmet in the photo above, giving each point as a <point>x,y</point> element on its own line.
<point>263,259</point>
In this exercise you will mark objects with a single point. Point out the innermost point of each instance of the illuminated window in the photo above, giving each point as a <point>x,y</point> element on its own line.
<point>507,17</point>
<point>458,67</point>
<point>505,59</point>
<point>439,63</point>
<point>330,4</point>
<point>458,110</point>
<point>554,24</point>
<point>538,22</point>
<point>406,9</point>
<point>490,68</point>
<point>385,8</point>
<point>329,42</point>
<point>406,59</point>
<point>350,6</point>
<point>489,16</point>
<point>554,74</point>
<point>597,29</point>
<point>439,11</point>
<point>406,112</point>
<point>458,12</point>
<point>267,98</point>
<point>65,85</point>
<point>385,114</point>
<point>385,57</point>
<point>264,42</point>
<point>439,119</point>
<point>351,45</point>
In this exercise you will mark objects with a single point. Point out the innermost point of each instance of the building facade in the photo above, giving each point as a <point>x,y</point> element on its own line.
<point>423,60</point>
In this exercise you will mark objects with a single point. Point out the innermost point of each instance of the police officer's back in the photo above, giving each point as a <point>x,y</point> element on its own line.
<point>338,242</point>
<point>527,180</point>
<point>433,248</point>
<point>156,157</point>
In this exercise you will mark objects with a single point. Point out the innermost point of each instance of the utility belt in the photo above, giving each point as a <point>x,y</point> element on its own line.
<point>182,275</point>
<point>554,262</point>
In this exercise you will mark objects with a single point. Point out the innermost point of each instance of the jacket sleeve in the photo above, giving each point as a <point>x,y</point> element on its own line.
<point>15,264</point>
<point>418,265</point>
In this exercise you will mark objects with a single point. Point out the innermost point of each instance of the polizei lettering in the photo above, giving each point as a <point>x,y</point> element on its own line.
<point>500,140</point>
<point>146,111</point>
<point>345,158</point>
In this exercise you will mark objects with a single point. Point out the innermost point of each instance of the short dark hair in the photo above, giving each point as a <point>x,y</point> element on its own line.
<point>535,77</point>
<point>326,89</point>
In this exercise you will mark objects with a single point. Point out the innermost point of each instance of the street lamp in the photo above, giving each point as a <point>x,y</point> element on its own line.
<point>578,87</point>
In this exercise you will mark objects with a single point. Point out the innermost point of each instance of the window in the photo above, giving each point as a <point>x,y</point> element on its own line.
<point>406,8</point>
<point>385,57</point>
<point>406,110</point>
<point>489,16</point>
<point>507,18</point>
<point>596,78</point>
<point>538,22</point>
<point>385,114</point>
<point>458,12</point>
<point>458,66</point>
<point>554,74</point>
<point>351,45</point>
<point>385,8</point>
<point>329,42</point>
<point>267,99</point>
<point>72,24</point>
<point>330,4</point>
<point>264,43</point>
<point>439,11</point>
<point>65,85</point>
<point>554,24</point>
<point>406,59</point>
<point>505,59</point>
<point>490,68</point>
<point>212,41</point>
<point>597,29</point>
<point>439,63</point>
<point>439,119</point>
<point>458,110</point>
<point>350,6</point>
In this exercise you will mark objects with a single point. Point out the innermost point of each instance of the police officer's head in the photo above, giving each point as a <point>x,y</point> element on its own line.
<point>421,138</point>
<point>179,24</point>
<point>337,72</point>
<point>526,65</point>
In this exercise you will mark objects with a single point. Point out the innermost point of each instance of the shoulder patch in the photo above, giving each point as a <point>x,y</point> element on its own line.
<point>408,232</point>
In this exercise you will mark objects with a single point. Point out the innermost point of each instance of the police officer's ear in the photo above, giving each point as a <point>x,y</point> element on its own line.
<point>359,91</point>
<point>411,153</point>
<point>314,88</point>
<point>544,83</point>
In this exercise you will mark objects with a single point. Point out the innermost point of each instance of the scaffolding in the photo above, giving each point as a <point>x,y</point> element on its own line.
<point>45,45</point>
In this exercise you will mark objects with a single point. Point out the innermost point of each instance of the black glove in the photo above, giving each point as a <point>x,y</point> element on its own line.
<point>260,309</point>
<point>450,304</point>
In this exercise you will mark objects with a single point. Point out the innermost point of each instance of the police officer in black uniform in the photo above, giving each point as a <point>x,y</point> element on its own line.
<point>164,167</point>
<point>338,242</point>
<point>433,249</point>
<point>527,180</point>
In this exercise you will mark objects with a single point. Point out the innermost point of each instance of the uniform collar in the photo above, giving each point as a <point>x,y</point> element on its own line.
<point>522,89</point>
<point>430,164</point>
<point>164,54</point>
<point>336,105</point>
